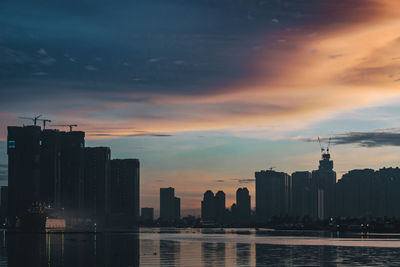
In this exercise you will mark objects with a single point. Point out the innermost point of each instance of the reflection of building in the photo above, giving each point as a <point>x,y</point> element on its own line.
<point>169,205</point>
<point>147,214</point>
<point>243,204</point>
<point>273,194</point>
<point>97,184</point>
<point>124,206</point>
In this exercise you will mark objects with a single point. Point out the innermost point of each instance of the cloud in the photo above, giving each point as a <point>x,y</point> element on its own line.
<point>90,68</point>
<point>42,52</point>
<point>364,139</point>
<point>245,181</point>
<point>219,181</point>
<point>368,139</point>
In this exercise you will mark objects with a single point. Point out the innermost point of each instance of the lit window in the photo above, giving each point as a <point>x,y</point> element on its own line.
<point>11,144</point>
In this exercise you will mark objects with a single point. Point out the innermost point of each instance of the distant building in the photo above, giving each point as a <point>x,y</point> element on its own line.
<point>301,194</point>
<point>355,194</point>
<point>273,194</point>
<point>220,206</point>
<point>323,184</point>
<point>147,214</point>
<point>208,207</point>
<point>243,204</point>
<point>97,184</point>
<point>169,205</point>
<point>23,149</point>
<point>125,182</point>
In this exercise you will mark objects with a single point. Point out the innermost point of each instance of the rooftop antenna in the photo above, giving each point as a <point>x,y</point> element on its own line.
<point>67,125</point>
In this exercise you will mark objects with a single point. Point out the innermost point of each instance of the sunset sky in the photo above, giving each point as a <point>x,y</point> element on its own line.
<point>206,92</point>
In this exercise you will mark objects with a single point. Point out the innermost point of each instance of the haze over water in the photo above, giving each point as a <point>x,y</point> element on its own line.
<point>199,247</point>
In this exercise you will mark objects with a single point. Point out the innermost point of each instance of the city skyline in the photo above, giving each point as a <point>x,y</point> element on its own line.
<point>207,92</point>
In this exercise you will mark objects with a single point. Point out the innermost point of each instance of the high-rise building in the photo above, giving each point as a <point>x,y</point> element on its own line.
<point>301,194</point>
<point>23,149</point>
<point>208,207</point>
<point>243,204</point>
<point>220,206</point>
<point>97,183</point>
<point>169,205</point>
<point>147,214</point>
<point>50,166</point>
<point>72,171</point>
<point>323,184</point>
<point>125,182</point>
<point>273,194</point>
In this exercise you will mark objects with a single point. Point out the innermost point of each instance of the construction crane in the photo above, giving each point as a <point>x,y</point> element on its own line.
<point>44,122</point>
<point>67,125</point>
<point>34,119</point>
<point>271,168</point>
<point>329,143</point>
<point>322,149</point>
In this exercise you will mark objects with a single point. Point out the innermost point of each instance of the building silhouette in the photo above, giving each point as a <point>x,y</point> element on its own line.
<point>52,169</point>
<point>323,187</point>
<point>125,181</point>
<point>273,194</point>
<point>243,204</point>
<point>301,194</point>
<point>23,149</point>
<point>208,207</point>
<point>169,205</point>
<point>147,214</point>
<point>72,171</point>
<point>220,207</point>
<point>97,182</point>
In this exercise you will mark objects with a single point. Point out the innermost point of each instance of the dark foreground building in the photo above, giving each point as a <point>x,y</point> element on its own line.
<point>125,181</point>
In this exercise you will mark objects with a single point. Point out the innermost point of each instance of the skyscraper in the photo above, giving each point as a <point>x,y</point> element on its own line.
<point>125,182</point>
<point>220,206</point>
<point>50,166</point>
<point>169,205</point>
<point>301,194</point>
<point>208,207</point>
<point>23,149</point>
<point>323,183</point>
<point>273,194</point>
<point>97,183</point>
<point>243,204</point>
<point>72,171</point>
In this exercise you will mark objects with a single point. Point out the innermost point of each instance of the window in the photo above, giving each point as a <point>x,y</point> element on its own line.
<point>11,144</point>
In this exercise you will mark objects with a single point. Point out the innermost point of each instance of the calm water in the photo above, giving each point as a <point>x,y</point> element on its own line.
<point>199,247</point>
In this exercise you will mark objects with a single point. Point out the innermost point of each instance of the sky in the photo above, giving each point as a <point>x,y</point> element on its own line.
<point>206,92</point>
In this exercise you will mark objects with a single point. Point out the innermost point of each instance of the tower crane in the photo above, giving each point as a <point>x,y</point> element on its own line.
<point>67,125</point>
<point>44,122</point>
<point>329,143</point>
<point>322,149</point>
<point>34,119</point>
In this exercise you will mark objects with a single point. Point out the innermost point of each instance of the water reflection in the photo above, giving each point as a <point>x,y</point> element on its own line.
<point>194,247</point>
